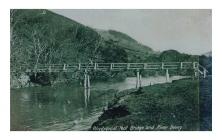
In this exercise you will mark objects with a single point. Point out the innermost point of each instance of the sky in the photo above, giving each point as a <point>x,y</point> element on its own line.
<point>188,31</point>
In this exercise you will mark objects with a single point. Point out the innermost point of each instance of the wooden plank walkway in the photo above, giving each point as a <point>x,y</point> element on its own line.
<point>112,66</point>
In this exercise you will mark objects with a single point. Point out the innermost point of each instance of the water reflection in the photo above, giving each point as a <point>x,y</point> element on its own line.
<point>87,96</point>
<point>65,107</point>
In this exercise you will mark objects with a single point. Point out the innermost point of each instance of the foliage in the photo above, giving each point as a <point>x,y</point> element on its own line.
<point>175,56</point>
<point>112,53</point>
<point>43,37</point>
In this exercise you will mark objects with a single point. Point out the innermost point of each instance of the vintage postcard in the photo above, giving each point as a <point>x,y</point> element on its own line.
<point>110,70</point>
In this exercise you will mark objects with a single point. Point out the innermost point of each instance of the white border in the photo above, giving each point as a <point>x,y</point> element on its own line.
<point>108,4</point>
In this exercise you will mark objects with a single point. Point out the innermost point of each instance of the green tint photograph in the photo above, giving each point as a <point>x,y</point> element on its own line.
<point>110,70</point>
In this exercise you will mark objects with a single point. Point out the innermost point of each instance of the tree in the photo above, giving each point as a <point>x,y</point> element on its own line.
<point>113,53</point>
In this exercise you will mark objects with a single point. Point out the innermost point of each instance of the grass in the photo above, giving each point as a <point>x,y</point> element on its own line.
<point>169,106</point>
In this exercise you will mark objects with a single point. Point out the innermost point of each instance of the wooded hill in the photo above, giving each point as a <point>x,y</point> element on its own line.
<point>43,37</point>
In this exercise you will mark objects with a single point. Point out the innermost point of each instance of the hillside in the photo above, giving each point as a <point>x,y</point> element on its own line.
<point>43,37</point>
<point>133,48</point>
<point>40,36</point>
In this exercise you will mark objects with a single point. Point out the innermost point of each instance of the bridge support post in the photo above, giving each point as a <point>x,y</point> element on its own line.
<point>128,66</point>
<point>64,67</point>
<point>162,65</point>
<point>86,80</point>
<point>195,73</point>
<point>79,66</point>
<point>95,66</point>
<point>195,65</point>
<point>86,87</point>
<point>204,73</point>
<point>138,79</point>
<point>167,76</point>
<point>85,77</point>
<point>50,69</point>
<point>181,65</point>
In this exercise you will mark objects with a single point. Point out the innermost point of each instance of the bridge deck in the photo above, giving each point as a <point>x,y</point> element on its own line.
<point>109,66</point>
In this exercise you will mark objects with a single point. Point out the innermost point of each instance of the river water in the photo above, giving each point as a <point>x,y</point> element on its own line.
<point>67,107</point>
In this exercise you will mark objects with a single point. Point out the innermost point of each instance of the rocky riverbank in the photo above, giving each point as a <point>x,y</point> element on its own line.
<point>163,107</point>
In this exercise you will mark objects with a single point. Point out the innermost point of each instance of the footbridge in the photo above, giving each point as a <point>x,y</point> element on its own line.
<point>86,67</point>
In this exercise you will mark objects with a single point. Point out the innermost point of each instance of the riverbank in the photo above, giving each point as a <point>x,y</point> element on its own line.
<point>164,107</point>
<point>23,80</point>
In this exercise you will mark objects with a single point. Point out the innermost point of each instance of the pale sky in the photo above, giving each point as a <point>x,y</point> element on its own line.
<point>187,31</point>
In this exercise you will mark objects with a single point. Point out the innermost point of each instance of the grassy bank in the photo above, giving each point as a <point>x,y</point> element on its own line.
<point>169,106</point>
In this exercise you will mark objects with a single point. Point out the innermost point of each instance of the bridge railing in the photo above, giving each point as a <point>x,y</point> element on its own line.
<point>170,65</point>
<point>119,66</point>
<point>111,66</point>
<point>152,66</point>
<point>102,66</point>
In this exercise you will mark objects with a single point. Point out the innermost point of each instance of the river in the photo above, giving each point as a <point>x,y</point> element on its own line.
<point>67,107</point>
